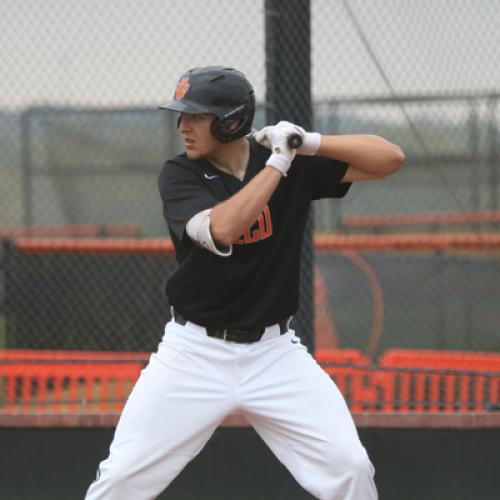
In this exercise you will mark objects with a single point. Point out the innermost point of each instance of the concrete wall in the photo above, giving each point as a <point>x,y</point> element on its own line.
<point>412,464</point>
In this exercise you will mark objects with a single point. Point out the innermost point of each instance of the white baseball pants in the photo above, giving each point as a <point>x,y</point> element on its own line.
<point>194,381</point>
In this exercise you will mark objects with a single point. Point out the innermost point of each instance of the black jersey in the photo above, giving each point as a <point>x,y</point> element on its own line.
<point>258,284</point>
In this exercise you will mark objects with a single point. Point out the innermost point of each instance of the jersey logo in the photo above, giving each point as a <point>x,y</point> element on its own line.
<point>210,177</point>
<point>261,230</point>
<point>182,88</point>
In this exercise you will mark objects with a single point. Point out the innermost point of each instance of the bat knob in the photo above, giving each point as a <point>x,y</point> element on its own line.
<point>294,141</point>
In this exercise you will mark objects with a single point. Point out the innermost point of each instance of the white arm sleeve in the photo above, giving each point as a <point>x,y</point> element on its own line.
<point>198,229</point>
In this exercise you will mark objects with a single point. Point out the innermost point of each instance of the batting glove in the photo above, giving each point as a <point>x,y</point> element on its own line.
<point>310,143</point>
<point>276,139</point>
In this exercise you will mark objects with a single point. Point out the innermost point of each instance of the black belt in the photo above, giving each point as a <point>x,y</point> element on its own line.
<point>234,334</point>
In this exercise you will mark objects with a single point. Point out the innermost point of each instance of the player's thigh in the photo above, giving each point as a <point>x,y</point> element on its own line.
<point>177,402</point>
<point>303,410</point>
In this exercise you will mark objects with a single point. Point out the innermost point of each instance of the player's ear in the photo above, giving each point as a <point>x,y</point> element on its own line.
<point>230,125</point>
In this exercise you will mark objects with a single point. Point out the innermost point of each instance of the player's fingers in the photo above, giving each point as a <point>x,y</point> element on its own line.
<point>300,131</point>
<point>284,128</point>
<point>262,138</point>
<point>283,123</point>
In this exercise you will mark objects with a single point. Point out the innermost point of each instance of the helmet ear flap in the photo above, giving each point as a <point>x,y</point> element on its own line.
<point>231,125</point>
<point>228,129</point>
<point>234,124</point>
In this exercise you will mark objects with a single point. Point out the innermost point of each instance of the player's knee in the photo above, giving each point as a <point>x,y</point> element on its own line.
<point>118,475</point>
<point>351,463</point>
<point>350,475</point>
<point>358,464</point>
<point>114,474</point>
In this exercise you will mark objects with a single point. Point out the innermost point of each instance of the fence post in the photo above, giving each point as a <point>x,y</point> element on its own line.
<point>492,158</point>
<point>26,167</point>
<point>288,97</point>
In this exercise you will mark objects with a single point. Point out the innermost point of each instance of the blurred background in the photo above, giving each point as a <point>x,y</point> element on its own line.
<point>82,143</point>
<point>400,290</point>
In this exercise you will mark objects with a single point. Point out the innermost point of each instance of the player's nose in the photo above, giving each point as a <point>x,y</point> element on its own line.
<point>184,123</point>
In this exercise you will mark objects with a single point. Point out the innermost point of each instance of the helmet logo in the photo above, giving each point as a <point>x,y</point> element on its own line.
<point>182,88</point>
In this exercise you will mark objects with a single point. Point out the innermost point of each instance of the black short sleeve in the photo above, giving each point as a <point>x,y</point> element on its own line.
<point>326,175</point>
<point>258,284</point>
<point>183,194</point>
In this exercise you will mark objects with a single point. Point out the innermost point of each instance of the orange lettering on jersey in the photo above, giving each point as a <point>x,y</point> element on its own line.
<point>265,226</point>
<point>260,230</point>
<point>251,236</point>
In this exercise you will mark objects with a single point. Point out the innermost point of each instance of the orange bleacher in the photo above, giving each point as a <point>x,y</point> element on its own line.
<point>454,380</point>
<point>377,222</point>
<point>416,380</point>
<point>27,355</point>
<point>66,381</point>
<point>67,387</point>
<point>344,366</point>
<point>70,230</point>
<point>403,380</point>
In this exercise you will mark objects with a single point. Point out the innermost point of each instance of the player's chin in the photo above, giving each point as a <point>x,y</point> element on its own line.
<point>194,154</point>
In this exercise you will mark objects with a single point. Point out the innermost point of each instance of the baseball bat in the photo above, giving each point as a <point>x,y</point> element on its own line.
<point>294,141</point>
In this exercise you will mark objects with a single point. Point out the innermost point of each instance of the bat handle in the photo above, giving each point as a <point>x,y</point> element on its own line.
<point>294,141</point>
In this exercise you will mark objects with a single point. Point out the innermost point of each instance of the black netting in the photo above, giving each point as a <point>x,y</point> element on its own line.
<point>82,143</point>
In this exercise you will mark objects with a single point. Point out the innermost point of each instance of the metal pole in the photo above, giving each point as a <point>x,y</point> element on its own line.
<point>493,155</point>
<point>26,167</point>
<point>475,166</point>
<point>288,89</point>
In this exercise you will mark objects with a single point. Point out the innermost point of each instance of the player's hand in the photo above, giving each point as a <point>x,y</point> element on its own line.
<point>310,140</point>
<point>276,139</point>
<point>266,135</point>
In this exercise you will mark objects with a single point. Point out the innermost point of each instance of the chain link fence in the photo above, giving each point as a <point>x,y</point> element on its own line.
<point>82,144</point>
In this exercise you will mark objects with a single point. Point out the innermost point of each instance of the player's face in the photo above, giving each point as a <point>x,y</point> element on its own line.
<point>198,138</point>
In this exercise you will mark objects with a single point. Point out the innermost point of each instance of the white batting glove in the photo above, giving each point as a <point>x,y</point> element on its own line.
<point>276,139</point>
<point>310,143</point>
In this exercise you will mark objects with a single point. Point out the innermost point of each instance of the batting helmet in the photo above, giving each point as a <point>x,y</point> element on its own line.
<point>220,91</point>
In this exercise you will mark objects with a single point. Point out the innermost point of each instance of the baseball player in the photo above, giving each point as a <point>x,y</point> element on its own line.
<point>236,206</point>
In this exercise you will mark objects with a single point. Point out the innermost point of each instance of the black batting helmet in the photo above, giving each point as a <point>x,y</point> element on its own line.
<point>220,91</point>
